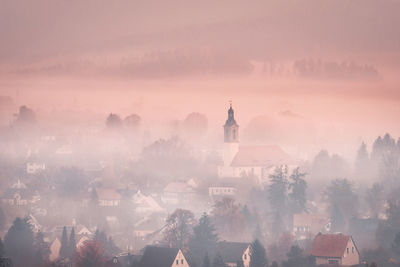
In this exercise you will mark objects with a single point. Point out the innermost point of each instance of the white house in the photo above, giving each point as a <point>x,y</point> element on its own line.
<point>108,197</point>
<point>145,204</point>
<point>34,167</point>
<point>222,191</point>
<point>177,192</point>
<point>306,226</point>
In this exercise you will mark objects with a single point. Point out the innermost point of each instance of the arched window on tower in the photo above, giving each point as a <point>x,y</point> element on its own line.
<point>234,134</point>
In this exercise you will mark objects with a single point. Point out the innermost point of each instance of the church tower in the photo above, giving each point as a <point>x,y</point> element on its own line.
<point>231,129</point>
<point>231,138</point>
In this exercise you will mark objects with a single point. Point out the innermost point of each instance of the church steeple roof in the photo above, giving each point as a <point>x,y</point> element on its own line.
<point>231,116</point>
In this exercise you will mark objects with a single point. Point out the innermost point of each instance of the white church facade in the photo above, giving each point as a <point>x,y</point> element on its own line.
<point>256,161</point>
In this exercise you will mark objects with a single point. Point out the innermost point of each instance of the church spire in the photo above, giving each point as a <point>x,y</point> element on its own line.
<point>231,128</point>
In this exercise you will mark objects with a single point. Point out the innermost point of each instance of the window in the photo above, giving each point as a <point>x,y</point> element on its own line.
<point>177,262</point>
<point>245,256</point>
<point>352,250</point>
<point>333,261</point>
<point>182,261</point>
<point>347,250</point>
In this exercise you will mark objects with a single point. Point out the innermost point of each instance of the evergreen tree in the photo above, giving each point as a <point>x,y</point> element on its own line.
<point>277,196</point>
<point>297,195</point>
<point>396,246</point>
<point>111,249</point>
<point>2,252</point>
<point>42,250</point>
<point>100,237</point>
<point>258,256</point>
<point>72,244</point>
<point>19,243</point>
<point>362,163</point>
<point>278,188</point>
<point>204,239</point>
<point>296,258</point>
<point>258,233</point>
<point>337,220</point>
<point>64,251</point>
<point>375,199</point>
<point>342,201</point>
<point>107,244</point>
<point>3,219</point>
<point>206,261</point>
<point>218,261</point>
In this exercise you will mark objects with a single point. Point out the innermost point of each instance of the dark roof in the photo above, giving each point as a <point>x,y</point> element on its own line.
<point>114,262</point>
<point>158,257</point>
<point>129,260</point>
<point>231,251</point>
<point>231,118</point>
<point>332,245</point>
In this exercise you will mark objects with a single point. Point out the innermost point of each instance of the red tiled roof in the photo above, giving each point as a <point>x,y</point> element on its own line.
<point>332,245</point>
<point>260,156</point>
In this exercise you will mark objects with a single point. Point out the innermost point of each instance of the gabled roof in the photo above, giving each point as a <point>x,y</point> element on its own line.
<point>158,257</point>
<point>231,251</point>
<point>145,202</point>
<point>272,155</point>
<point>329,245</point>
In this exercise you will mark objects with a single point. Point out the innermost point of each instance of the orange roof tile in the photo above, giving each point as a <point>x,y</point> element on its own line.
<point>329,245</point>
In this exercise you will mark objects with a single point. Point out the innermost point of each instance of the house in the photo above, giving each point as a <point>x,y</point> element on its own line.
<point>177,192</point>
<point>306,226</point>
<point>337,249</point>
<point>145,204</point>
<point>148,225</point>
<point>82,241</point>
<point>19,195</point>
<point>108,197</point>
<point>222,190</point>
<point>163,257</point>
<point>129,260</point>
<point>34,167</point>
<point>234,252</point>
<point>248,161</point>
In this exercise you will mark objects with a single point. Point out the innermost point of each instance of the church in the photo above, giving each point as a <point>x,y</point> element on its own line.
<point>256,161</point>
